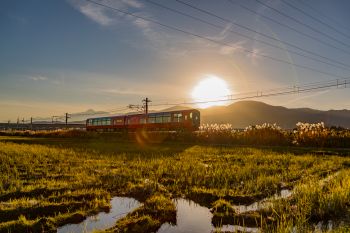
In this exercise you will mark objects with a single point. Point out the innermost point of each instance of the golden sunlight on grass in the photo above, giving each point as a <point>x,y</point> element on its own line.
<point>210,88</point>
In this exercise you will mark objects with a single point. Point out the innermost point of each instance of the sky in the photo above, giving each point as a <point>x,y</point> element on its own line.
<point>59,56</point>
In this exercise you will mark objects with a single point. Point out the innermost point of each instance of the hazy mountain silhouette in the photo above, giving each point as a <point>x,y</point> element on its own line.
<point>176,108</point>
<point>244,113</point>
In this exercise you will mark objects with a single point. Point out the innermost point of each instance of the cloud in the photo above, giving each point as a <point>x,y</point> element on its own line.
<point>254,55</point>
<point>229,50</point>
<point>168,44</point>
<point>223,33</point>
<point>132,3</point>
<point>38,78</point>
<point>96,13</point>
<point>103,15</point>
<point>122,91</point>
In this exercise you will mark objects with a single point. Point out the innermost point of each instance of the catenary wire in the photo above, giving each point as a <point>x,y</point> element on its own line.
<point>302,23</point>
<point>295,30</point>
<point>288,3</point>
<point>247,28</point>
<point>214,41</point>
<point>333,62</point>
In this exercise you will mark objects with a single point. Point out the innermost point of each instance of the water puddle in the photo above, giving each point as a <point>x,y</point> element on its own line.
<point>194,218</point>
<point>324,226</point>
<point>191,217</point>
<point>121,206</point>
<point>264,203</point>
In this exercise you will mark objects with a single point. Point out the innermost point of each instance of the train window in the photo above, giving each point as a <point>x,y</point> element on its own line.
<point>191,115</point>
<point>142,120</point>
<point>185,117</point>
<point>152,119</point>
<point>159,119</point>
<point>177,117</point>
<point>166,119</point>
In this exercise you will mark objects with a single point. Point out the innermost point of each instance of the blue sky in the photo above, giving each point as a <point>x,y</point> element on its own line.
<point>61,56</point>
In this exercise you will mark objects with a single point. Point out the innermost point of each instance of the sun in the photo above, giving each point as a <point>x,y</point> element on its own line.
<point>210,88</point>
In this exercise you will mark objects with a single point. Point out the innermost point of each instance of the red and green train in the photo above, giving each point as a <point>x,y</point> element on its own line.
<point>184,120</point>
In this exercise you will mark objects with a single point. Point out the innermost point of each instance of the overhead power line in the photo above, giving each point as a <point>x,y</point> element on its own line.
<point>297,89</point>
<point>302,23</point>
<point>214,41</point>
<point>333,62</point>
<point>247,28</point>
<point>288,3</point>
<point>292,29</point>
<point>323,15</point>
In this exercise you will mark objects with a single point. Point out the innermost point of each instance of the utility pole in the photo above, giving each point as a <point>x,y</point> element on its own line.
<point>146,101</point>
<point>17,122</point>
<point>67,116</point>
<point>31,123</point>
<point>145,106</point>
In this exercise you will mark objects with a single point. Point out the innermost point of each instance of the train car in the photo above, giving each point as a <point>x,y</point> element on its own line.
<point>184,120</point>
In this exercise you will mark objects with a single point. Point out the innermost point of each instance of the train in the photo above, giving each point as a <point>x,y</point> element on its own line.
<point>184,120</point>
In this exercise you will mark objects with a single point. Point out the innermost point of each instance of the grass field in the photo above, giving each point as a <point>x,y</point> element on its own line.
<point>48,182</point>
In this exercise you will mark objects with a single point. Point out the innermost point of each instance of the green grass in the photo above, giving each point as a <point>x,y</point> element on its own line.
<point>47,182</point>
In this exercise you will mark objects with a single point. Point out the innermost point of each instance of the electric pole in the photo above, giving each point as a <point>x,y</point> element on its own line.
<point>146,101</point>
<point>145,107</point>
<point>31,123</point>
<point>67,116</point>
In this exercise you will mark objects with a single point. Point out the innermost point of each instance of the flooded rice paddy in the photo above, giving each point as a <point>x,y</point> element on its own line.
<point>191,217</point>
<point>121,206</point>
<point>194,218</point>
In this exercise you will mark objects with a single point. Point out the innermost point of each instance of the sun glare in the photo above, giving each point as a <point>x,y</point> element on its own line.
<point>210,88</point>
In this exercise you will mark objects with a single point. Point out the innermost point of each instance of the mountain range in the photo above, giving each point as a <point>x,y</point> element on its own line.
<point>245,113</point>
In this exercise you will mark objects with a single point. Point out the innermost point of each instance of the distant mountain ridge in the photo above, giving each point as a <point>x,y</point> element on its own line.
<point>245,113</point>
<point>242,114</point>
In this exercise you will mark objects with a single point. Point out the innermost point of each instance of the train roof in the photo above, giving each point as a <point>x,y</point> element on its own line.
<point>140,114</point>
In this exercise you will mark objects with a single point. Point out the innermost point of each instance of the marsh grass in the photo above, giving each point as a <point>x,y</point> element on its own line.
<point>53,181</point>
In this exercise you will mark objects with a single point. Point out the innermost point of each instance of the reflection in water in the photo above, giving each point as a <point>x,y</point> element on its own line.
<point>324,226</point>
<point>285,193</point>
<point>121,206</point>
<point>194,218</point>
